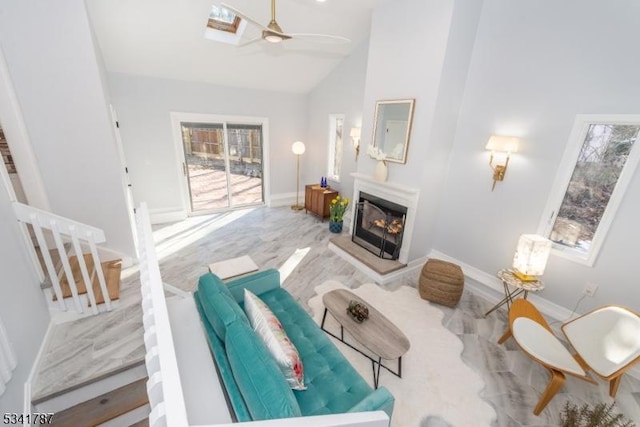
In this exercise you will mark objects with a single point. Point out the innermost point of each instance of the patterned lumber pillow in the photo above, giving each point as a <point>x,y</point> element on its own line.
<point>269,329</point>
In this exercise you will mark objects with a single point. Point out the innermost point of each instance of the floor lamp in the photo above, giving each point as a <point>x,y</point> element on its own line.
<point>298,149</point>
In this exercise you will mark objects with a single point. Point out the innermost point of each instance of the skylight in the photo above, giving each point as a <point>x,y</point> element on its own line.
<point>223,20</point>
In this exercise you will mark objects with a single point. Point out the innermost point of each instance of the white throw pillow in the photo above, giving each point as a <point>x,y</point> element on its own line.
<point>270,330</point>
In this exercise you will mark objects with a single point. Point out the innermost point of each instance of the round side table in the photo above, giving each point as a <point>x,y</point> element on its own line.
<point>514,287</point>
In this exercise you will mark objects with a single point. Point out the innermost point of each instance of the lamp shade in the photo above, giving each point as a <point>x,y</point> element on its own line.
<point>355,132</point>
<point>505,144</point>
<point>532,254</point>
<point>298,147</point>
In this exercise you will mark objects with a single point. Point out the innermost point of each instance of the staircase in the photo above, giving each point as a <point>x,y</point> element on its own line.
<point>67,259</point>
<point>90,369</point>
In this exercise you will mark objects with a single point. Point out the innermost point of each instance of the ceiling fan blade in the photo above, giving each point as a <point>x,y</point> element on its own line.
<point>252,41</point>
<point>321,38</point>
<point>245,17</point>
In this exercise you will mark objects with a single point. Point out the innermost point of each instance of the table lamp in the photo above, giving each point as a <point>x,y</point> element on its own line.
<point>531,257</point>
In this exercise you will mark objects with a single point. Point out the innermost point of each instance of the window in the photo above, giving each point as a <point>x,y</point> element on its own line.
<point>597,166</point>
<point>336,127</point>
<point>223,20</point>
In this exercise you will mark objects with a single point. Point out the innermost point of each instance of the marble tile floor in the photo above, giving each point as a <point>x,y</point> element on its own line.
<point>296,244</point>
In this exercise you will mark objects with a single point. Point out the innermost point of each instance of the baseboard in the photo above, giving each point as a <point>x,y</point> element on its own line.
<point>162,216</point>
<point>284,199</point>
<point>490,287</point>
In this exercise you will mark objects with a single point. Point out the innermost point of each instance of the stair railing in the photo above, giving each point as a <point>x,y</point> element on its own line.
<point>80,236</point>
<point>164,387</point>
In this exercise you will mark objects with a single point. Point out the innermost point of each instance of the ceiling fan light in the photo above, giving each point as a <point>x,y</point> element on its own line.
<point>273,38</point>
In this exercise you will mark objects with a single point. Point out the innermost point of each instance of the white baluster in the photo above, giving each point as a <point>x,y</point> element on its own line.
<point>99,273</point>
<point>65,265</point>
<point>77,247</point>
<point>48,262</point>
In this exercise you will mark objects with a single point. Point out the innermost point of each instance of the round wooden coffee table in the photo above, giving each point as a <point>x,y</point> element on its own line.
<point>377,333</point>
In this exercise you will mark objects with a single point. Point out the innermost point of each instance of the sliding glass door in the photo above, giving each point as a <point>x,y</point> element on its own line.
<point>223,165</point>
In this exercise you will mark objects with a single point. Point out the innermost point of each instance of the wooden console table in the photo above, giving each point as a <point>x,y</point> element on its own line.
<point>318,199</point>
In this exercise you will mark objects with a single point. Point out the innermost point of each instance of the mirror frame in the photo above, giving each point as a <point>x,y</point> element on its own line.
<point>379,104</point>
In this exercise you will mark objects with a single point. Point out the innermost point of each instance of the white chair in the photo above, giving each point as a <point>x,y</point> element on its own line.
<point>607,342</point>
<point>534,337</point>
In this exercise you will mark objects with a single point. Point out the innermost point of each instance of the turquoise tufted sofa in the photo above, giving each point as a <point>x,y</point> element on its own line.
<point>255,388</point>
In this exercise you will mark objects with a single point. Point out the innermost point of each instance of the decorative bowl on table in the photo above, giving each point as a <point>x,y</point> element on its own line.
<point>358,311</point>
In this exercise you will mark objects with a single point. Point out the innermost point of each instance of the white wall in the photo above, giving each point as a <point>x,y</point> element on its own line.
<point>341,92</point>
<point>420,50</point>
<point>144,105</point>
<point>50,54</point>
<point>535,65</point>
<point>22,305</point>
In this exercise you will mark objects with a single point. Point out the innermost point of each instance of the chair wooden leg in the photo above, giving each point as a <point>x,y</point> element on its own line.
<point>613,385</point>
<point>555,383</point>
<point>507,334</point>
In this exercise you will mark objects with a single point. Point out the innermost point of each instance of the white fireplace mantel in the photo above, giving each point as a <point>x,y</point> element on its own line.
<point>401,194</point>
<point>409,191</point>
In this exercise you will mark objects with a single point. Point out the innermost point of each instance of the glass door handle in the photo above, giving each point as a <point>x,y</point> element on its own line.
<point>184,169</point>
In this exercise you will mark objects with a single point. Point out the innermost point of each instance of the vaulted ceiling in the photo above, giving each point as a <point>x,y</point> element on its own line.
<point>165,38</point>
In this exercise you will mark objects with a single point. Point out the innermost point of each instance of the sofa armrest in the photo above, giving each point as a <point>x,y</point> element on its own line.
<point>380,400</point>
<point>258,283</point>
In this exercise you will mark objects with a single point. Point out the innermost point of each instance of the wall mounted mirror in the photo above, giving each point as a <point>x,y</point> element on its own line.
<point>392,128</point>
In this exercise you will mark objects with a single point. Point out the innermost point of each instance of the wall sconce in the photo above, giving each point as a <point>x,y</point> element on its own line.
<point>531,257</point>
<point>355,138</point>
<point>501,144</point>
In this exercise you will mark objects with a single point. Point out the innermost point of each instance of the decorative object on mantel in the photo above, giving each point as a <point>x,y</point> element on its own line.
<point>358,311</point>
<point>298,149</point>
<point>381,172</point>
<point>337,208</point>
<point>504,145</point>
<point>392,128</point>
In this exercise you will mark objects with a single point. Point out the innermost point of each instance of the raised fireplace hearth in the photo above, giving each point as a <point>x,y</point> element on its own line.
<point>379,226</point>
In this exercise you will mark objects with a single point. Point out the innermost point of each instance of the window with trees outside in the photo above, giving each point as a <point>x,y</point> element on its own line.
<point>336,132</point>
<point>596,169</point>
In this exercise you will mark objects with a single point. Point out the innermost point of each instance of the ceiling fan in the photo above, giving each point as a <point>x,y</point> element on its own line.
<point>274,34</point>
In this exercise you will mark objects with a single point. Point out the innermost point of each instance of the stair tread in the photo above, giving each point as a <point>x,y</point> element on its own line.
<point>112,270</point>
<point>105,407</point>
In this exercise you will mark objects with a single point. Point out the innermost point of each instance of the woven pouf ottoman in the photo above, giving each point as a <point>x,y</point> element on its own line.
<point>441,282</point>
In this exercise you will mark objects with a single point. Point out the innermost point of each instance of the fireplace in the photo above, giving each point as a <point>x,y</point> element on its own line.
<point>379,226</point>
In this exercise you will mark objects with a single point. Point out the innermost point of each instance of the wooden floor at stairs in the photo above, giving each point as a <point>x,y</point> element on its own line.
<point>105,407</point>
<point>111,271</point>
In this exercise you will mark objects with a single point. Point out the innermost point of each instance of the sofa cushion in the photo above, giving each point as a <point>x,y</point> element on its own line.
<point>270,331</point>
<point>264,389</point>
<point>233,393</point>
<point>333,385</point>
<point>220,308</point>
<point>213,285</point>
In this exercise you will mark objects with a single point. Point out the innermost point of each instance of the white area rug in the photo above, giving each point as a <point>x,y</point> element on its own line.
<point>436,385</point>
